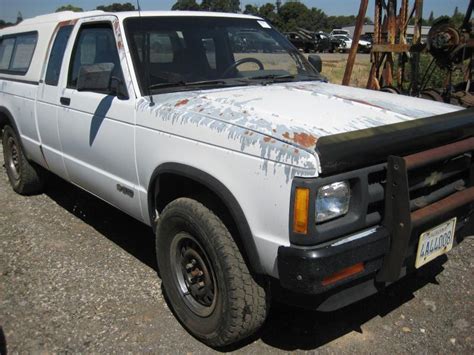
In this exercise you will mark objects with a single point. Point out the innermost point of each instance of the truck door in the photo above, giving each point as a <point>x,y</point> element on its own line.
<point>48,105</point>
<point>96,128</point>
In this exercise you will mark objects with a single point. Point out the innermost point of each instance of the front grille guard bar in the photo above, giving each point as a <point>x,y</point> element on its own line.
<point>398,219</point>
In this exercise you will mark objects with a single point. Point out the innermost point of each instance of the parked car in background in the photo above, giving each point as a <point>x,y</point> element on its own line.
<point>367,37</point>
<point>338,31</point>
<point>248,41</point>
<point>336,44</point>
<point>347,41</point>
<point>364,46</point>
<point>302,42</point>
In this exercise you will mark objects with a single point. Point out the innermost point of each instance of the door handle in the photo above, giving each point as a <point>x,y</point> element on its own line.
<point>65,101</point>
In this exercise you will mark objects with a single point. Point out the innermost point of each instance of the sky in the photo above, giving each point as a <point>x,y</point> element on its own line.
<point>30,8</point>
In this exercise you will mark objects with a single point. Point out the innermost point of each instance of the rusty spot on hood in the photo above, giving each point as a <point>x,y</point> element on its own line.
<point>303,139</point>
<point>181,102</point>
<point>267,139</point>
<point>359,101</point>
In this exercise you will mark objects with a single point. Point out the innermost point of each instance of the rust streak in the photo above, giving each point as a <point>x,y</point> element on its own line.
<point>181,102</point>
<point>303,139</point>
<point>359,101</point>
<point>266,139</point>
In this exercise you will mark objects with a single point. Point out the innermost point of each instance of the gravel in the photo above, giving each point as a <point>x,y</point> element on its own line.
<point>77,275</point>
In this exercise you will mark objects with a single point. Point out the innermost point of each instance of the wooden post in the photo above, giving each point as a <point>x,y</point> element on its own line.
<point>402,25</point>
<point>415,60</point>
<point>392,34</point>
<point>372,83</point>
<point>355,42</point>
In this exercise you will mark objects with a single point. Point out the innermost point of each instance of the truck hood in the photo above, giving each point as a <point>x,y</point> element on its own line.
<point>300,113</point>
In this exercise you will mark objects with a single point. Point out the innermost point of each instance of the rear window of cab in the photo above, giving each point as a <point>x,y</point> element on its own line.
<point>16,52</point>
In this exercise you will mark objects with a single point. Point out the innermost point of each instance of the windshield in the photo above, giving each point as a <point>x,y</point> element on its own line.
<point>179,53</point>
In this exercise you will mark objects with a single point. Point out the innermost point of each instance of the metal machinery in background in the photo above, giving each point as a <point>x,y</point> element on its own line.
<point>393,56</point>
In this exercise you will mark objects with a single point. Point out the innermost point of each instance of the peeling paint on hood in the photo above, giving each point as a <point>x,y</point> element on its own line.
<point>300,113</point>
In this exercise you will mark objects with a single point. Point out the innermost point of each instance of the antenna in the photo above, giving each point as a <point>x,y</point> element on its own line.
<point>145,54</point>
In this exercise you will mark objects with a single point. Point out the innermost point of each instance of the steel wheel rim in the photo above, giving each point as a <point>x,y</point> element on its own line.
<point>13,158</point>
<point>193,274</point>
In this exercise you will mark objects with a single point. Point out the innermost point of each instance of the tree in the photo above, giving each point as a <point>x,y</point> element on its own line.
<point>267,10</point>
<point>4,24</point>
<point>234,5</point>
<point>69,8</point>
<point>431,18</point>
<point>221,5</point>
<point>182,5</point>
<point>458,18</point>
<point>251,9</point>
<point>117,7</point>
<point>19,18</point>
<point>296,15</point>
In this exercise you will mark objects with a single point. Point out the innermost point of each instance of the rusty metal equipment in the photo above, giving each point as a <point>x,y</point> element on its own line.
<point>395,60</point>
<point>390,39</point>
<point>452,50</point>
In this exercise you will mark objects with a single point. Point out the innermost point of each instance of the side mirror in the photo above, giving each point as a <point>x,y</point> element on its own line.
<point>95,77</point>
<point>316,62</point>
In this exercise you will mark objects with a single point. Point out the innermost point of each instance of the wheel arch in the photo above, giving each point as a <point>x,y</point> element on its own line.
<point>243,236</point>
<point>7,118</point>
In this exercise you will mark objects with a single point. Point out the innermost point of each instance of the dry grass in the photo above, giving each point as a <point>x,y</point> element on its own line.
<point>334,71</point>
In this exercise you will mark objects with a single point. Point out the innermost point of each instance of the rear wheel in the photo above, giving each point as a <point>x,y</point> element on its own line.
<point>25,178</point>
<point>205,279</point>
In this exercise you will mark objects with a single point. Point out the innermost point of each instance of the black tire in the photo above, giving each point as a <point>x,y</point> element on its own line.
<point>25,178</point>
<point>235,306</point>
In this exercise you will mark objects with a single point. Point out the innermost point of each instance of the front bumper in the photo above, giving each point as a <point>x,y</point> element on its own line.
<point>303,269</point>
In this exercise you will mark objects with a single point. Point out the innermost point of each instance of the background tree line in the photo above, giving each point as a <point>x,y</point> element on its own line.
<point>288,17</point>
<point>294,14</point>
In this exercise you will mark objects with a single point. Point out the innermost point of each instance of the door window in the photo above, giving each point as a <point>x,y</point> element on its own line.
<point>95,44</point>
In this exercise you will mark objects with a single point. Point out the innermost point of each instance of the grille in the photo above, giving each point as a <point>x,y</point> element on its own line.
<point>427,185</point>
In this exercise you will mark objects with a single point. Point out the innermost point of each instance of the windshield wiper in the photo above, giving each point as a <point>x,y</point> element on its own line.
<point>273,77</point>
<point>182,83</point>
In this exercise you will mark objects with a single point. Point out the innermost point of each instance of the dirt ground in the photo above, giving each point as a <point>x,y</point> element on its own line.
<point>77,275</point>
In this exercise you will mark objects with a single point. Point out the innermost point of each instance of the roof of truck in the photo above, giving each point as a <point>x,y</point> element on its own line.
<point>70,15</point>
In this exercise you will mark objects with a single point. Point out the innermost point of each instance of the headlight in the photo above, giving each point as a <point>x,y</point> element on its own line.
<point>332,201</point>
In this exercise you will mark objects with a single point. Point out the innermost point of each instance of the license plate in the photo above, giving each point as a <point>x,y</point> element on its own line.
<point>435,242</point>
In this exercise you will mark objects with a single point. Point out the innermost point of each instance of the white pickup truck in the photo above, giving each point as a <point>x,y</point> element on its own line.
<point>260,179</point>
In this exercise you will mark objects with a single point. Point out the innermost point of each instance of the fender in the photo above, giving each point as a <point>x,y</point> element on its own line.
<point>223,193</point>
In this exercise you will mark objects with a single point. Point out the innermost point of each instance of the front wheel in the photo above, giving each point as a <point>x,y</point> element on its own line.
<point>205,279</point>
<point>26,178</point>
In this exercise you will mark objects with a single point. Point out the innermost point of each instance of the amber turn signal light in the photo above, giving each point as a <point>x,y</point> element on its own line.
<point>343,274</point>
<point>300,210</point>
